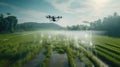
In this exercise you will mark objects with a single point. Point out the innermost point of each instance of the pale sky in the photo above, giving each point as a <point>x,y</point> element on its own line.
<point>73,11</point>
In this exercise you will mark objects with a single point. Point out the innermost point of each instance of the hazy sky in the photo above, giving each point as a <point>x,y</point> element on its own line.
<point>73,11</point>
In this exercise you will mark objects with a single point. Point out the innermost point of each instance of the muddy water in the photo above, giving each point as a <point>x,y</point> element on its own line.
<point>61,60</point>
<point>35,62</point>
<point>58,60</point>
<point>79,63</point>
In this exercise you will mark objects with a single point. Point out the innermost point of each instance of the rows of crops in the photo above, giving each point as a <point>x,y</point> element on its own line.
<point>63,45</point>
<point>108,49</point>
<point>18,49</point>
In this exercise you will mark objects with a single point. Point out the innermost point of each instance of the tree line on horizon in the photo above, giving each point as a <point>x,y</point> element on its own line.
<point>8,23</point>
<point>110,24</point>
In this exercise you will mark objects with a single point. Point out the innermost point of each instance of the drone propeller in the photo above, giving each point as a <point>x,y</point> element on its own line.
<point>48,16</point>
<point>59,17</point>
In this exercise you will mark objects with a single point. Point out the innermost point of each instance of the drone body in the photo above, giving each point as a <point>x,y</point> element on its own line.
<point>53,18</point>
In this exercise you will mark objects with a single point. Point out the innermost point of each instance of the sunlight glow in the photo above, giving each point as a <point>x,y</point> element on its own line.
<point>86,35</point>
<point>91,44</point>
<point>42,35</point>
<point>99,5</point>
<point>100,1</point>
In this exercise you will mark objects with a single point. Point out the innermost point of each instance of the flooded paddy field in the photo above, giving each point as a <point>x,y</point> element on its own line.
<point>59,49</point>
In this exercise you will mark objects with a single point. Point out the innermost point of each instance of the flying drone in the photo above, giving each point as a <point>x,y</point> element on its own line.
<point>53,18</point>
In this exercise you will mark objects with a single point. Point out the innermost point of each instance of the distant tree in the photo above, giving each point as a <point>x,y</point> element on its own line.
<point>115,14</point>
<point>12,22</point>
<point>96,25</point>
<point>8,23</point>
<point>111,24</point>
<point>78,27</point>
<point>1,21</point>
<point>8,14</point>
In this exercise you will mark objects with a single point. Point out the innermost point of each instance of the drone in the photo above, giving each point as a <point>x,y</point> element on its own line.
<point>53,18</point>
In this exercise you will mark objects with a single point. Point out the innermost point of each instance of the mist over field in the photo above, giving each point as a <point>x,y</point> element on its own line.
<point>59,33</point>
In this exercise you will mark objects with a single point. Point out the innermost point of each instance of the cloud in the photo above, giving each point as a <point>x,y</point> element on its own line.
<point>62,6</point>
<point>34,16</point>
<point>85,10</point>
<point>93,7</point>
<point>71,6</point>
<point>8,5</point>
<point>73,11</point>
<point>26,15</point>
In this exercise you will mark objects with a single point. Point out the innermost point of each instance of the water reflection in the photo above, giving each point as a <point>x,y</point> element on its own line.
<point>79,37</point>
<point>63,60</point>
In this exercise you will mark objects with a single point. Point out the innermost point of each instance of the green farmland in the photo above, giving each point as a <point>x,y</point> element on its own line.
<point>45,49</point>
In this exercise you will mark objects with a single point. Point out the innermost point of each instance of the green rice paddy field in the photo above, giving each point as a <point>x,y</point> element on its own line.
<point>44,49</point>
